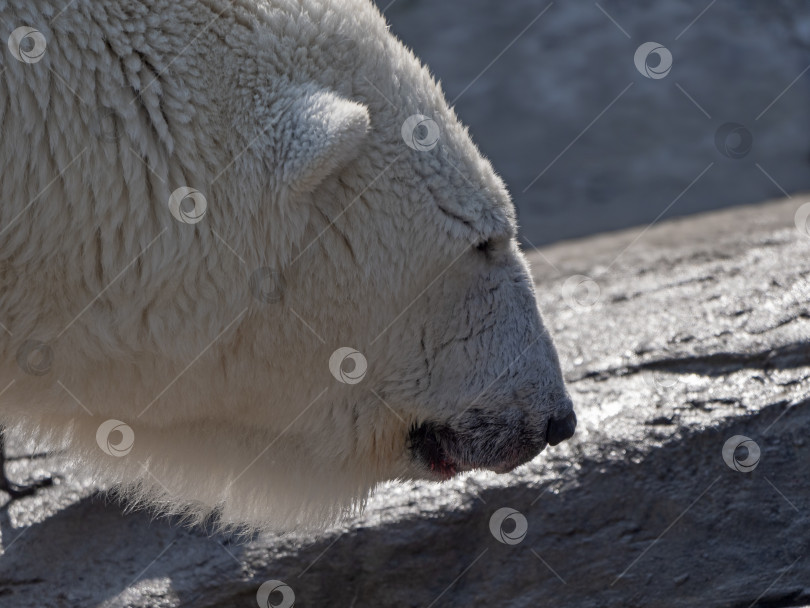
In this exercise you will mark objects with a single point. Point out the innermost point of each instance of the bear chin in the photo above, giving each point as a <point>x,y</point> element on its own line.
<point>443,453</point>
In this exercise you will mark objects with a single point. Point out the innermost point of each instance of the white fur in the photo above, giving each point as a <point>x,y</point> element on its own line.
<point>286,115</point>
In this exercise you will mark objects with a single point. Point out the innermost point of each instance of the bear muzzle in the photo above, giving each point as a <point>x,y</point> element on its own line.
<point>481,441</point>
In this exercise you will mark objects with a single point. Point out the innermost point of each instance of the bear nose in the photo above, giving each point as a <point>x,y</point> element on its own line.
<point>560,429</point>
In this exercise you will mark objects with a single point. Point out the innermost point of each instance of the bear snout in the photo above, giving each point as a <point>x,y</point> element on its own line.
<point>481,440</point>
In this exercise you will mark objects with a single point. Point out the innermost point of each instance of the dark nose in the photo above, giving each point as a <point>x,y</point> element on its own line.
<point>560,429</point>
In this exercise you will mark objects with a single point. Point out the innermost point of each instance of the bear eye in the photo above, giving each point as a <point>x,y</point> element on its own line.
<point>485,246</point>
<point>493,244</point>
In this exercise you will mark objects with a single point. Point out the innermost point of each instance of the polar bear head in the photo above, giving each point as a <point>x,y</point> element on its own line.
<point>401,261</point>
<point>335,296</point>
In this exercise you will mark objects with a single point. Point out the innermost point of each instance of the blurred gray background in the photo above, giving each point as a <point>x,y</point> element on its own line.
<point>544,88</point>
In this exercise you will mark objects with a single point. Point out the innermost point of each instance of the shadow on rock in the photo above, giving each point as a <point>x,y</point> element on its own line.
<point>92,553</point>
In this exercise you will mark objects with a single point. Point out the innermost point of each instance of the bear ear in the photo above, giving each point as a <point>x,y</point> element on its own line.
<point>321,133</point>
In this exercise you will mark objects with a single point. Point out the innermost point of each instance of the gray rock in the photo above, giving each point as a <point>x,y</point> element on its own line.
<point>531,110</point>
<point>699,333</point>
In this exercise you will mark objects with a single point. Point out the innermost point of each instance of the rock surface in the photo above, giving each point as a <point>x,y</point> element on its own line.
<point>546,99</point>
<point>698,332</point>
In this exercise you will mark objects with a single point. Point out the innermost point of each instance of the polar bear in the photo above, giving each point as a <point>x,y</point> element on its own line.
<point>252,263</point>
